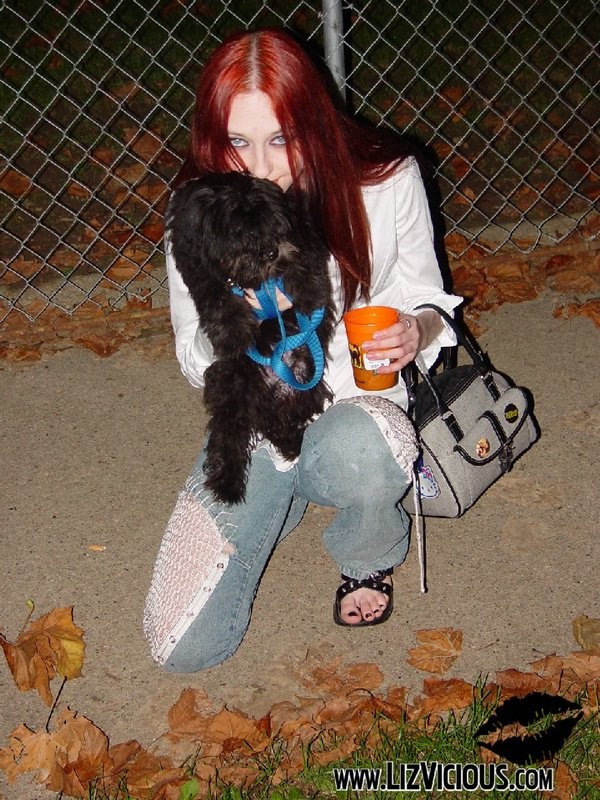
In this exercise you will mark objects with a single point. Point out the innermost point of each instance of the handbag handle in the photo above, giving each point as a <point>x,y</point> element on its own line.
<point>464,337</point>
<point>480,359</point>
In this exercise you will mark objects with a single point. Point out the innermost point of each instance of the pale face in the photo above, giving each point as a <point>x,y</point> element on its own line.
<point>256,135</point>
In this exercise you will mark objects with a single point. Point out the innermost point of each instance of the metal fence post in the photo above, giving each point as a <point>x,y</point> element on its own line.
<point>333,32</point>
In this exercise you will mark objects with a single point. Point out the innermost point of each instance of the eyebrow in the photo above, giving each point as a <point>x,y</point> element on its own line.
<point>278,132</point>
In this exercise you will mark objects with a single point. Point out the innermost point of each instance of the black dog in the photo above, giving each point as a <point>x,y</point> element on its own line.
<point>232,232</point>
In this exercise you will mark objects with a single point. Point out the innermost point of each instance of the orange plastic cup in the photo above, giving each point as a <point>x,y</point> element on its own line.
<point>361,324</point>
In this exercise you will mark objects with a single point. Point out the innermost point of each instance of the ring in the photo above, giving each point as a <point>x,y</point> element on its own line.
<point>406,321</point>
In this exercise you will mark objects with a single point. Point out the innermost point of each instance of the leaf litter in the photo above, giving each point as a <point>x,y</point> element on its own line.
<point>345,707</point>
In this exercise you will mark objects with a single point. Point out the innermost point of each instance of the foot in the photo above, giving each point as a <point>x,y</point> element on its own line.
<point>364,604</point>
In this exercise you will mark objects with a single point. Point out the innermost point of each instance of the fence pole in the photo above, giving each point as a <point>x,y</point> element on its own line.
<point>333,29</point>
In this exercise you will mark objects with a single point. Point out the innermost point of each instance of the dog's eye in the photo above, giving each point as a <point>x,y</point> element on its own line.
<point>271,255</point>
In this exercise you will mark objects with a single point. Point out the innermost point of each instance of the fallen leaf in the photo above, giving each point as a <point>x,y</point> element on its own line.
<point>516,290</point>
<point>15,183</point>
<point>21,267</point>
<point>514,683</point>
<point>51,645</point>
<point>575,670</point>
<point>566,783</point>
<point>97,548</point>
<point>441,695</point>
<point>147,146</point>
<point>102,346</point>
<point>589,309</point>
<point>333,678</point>
<point>437,651</point>
<point>572,280</point>
<point>65,760</point>
<point>587,632</point>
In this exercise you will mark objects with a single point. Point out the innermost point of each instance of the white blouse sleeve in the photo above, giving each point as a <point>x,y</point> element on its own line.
<point>408,273</point>
<point>192,347</point>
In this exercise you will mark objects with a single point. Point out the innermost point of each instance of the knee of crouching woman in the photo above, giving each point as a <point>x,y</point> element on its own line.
<point>344,456</point>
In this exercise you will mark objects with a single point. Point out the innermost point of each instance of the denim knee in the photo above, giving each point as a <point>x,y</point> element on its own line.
<point>345,457</point>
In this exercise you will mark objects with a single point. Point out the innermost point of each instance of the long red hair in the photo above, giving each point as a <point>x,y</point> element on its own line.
<point>331,156</point>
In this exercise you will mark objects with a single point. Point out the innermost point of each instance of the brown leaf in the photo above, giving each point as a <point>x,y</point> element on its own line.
<point>51,645</point>
<point>589,309</point>
<point>25,267</point>
<point>575,670</point>
<point>189,715</point>
<point>147,146</point>
<point>146,772</point>
<point>514,683</point>
<point>467,279</point>
<point>566,783</point>
<point>77,190</point>
<point>437,651</point>
<point>103,346</point>
<point>123,269</point>
<point>587,632</point>
<point>15,183</point>
<point>445,694</point>
<point>572,280</point>
<point>504,270</point>
<point>230,724</point>
<point>557,263</point>
<point>516,290</point>
<point>64,760</point>
<point>333,678</point>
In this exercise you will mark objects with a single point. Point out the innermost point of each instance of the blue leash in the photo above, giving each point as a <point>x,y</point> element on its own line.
<point>266,296</point>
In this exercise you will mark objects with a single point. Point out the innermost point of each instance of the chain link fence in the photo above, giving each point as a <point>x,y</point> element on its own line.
<point>96,96</point>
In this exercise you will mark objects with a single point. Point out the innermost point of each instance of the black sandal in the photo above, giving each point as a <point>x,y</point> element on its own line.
<point>373,581</point>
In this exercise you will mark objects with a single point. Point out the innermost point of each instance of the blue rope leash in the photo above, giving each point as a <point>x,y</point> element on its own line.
<point>266,296</point>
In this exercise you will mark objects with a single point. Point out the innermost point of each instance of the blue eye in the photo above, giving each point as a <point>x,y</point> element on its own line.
<point>278,140</point>
<point>237,141</point>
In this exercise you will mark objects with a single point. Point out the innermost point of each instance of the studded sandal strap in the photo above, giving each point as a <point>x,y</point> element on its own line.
<point>373,581</point>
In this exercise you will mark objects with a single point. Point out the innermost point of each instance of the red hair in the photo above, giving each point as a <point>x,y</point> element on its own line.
<point>331,156</point>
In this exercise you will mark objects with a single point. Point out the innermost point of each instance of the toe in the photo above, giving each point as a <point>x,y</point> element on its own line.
<point>363,605</point>
<point>350,612</point>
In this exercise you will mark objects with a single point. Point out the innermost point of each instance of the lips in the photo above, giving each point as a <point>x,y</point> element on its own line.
<point>552,719</point>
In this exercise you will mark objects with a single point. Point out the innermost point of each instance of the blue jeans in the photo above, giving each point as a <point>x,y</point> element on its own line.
<point>346,464</point>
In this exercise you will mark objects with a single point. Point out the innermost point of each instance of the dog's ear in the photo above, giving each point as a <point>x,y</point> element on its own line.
<point>190,224</point>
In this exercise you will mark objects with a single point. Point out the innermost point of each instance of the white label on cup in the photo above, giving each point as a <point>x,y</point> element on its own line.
<point>373,364</point>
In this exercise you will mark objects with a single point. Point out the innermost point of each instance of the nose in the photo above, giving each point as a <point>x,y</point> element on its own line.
<point>261,163</point>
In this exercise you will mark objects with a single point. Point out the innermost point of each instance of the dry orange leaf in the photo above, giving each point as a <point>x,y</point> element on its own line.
<point>514,683</point>
<point>443,695</point>
<point>577,668</point>
<point>15,183</point>
<point>437,651</point>
<point>587,632</point>
<point>51,645</point>
<point>566,782</point>
<point>572,280</point>
<point>65,760</point>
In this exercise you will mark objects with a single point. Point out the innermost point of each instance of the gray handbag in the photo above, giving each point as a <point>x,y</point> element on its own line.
<point>472,423</point>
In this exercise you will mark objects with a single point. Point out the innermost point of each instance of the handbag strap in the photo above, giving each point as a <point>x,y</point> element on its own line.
<point>480,359</point>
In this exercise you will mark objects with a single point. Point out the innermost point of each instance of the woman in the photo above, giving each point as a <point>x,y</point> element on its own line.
<point>262,106</point>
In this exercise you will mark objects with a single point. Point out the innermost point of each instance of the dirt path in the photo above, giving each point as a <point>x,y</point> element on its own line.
<point>93,453</point>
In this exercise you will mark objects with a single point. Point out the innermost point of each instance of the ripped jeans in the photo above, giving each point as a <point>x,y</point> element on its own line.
<point>346,464</point>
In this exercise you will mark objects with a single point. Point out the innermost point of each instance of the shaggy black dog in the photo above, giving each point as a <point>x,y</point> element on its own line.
<point>232,232</point>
